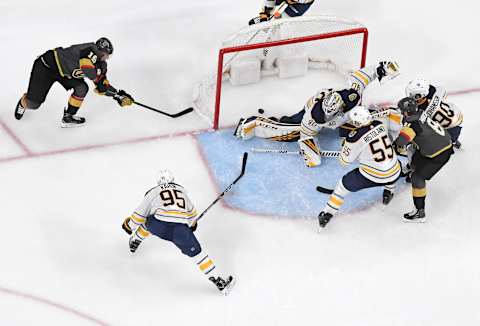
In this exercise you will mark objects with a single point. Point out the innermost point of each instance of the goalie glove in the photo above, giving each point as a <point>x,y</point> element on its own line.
<point>310,151</point>
<point>123,98</point>
<point>387,70</point>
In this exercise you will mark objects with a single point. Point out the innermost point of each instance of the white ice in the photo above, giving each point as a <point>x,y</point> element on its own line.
<point>65,260</point>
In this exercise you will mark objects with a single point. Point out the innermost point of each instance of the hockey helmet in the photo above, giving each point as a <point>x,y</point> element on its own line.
<point>332,103</point>
<point>417,89</point>
<point>409,108</point>
<point>164,177</point>
<point>360,116</point>
<point>104,45</point>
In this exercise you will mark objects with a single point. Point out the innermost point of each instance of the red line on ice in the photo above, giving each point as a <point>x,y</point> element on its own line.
<point>30,154</point>
<point>53,304</point>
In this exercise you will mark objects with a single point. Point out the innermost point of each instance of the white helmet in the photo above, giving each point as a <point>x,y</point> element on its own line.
<point>164,177</point>
<point>332,103</point>
<point>360,116</point>
<point>417,88</point>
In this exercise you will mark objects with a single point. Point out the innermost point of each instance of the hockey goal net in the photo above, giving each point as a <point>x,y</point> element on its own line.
<point>324,42</point>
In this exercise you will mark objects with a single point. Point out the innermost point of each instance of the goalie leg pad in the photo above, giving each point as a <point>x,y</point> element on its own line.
<point>310,151</point>
<point>268,129</point>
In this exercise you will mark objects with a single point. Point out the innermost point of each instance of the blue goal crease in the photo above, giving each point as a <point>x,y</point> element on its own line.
<point>278,184</point>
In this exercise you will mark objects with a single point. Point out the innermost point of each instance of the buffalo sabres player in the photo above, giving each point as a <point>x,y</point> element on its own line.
<point>431,100</point>
<point>295,8</point>
<point>379,166</point>
<point>167,212</point>
<point>327,108</point>
<point>69,66</point>
<point>432,148</point>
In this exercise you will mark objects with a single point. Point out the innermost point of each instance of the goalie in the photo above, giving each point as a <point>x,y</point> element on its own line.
<point>295,8</point>
<point>328,108</point>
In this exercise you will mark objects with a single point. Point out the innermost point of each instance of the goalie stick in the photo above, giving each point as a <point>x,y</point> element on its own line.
<point>284,151</point>
<point>244,163</point>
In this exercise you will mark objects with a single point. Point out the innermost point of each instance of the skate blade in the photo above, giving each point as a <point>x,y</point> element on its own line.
<point>229,287</point>
<point>419,220</point>
<point>68,125</point>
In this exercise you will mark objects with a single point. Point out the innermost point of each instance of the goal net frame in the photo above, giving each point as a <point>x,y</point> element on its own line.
<point>234,49</point>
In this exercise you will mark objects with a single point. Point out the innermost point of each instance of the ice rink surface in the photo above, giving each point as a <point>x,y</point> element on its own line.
<point>65,192</point>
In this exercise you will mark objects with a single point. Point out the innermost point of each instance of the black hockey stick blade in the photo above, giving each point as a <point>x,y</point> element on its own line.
<point>171,115</point>
<point>324,190</point>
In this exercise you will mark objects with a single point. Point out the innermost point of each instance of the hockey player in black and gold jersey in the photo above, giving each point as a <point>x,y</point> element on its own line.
<point>433,148</point>
<point>69,66</point>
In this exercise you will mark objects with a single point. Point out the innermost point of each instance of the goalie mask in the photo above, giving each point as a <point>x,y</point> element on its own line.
<point>417,89</point>
<point>360,116</point>
<point>332,103</point>
<point>164,177</point>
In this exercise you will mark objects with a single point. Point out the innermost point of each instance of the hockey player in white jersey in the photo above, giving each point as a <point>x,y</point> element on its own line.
<point>167,212</point>
<point>432,101</point>
<point>294,8</point>
<point>326,109</point>
<point>379,166</point>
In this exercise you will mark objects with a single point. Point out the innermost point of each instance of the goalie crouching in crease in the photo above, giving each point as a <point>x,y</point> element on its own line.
<point>326,109</point>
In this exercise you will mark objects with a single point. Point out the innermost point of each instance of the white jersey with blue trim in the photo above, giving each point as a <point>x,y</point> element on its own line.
<point>371,146</point>
<point>168,203</point>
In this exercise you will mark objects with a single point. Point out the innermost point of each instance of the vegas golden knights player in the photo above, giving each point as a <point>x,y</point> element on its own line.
<point>69,66</point>
<point>433,148</point>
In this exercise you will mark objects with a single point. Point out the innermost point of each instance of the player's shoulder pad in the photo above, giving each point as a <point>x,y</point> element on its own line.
<point>350,97</point>
<point>356,134</point>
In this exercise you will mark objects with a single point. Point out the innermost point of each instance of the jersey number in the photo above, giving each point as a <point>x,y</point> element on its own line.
<point>443,115</point>
<point>171,197</point>
<point>436,127</point>
<point>383,151</point>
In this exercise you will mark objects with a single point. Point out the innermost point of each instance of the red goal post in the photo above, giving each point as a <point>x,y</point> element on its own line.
<point>340,30</point>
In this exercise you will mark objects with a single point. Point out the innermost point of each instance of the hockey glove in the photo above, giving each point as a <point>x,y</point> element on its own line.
<point>194,226</point>
<point>387,70</point>
<point>126,226</point>
<point>123,98</point>
<point>262,17</point>
<point>103,85</point>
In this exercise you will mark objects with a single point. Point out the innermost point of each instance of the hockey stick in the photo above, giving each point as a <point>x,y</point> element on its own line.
<point>174,115</point>
<point>244,163</point>
<point>284,151</point>
<point>324,190</point>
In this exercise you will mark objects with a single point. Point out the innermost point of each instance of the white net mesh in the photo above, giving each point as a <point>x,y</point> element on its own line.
<point>328,42</point>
